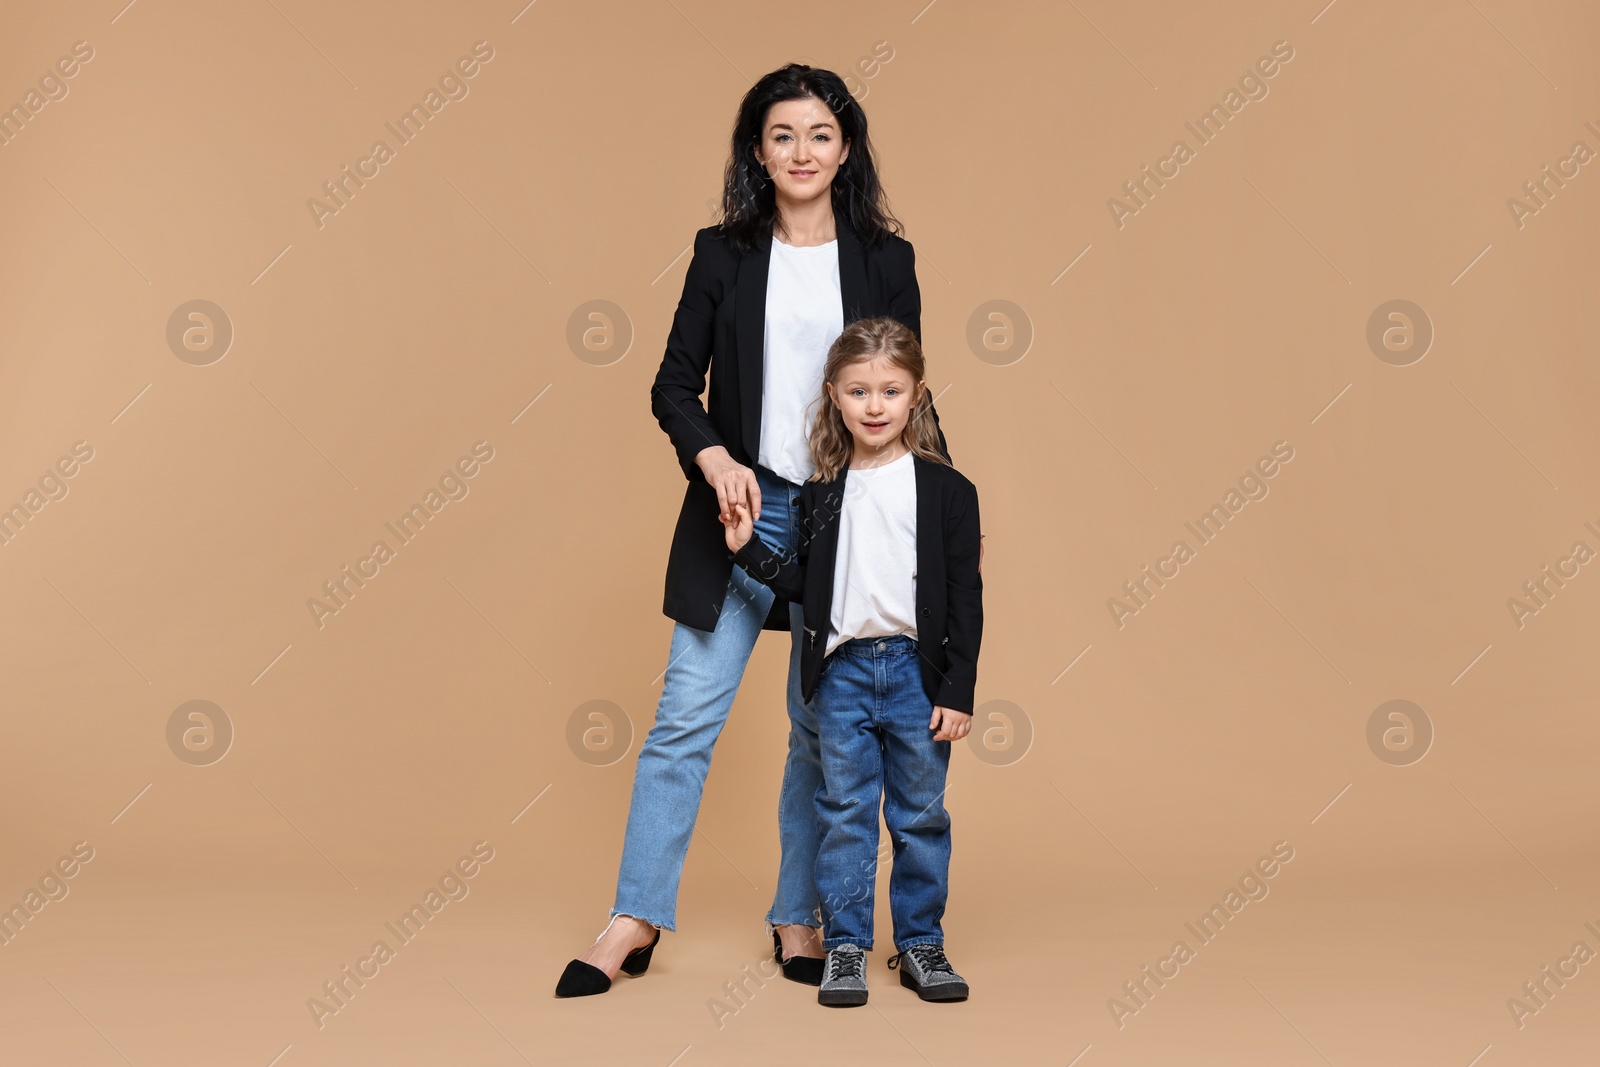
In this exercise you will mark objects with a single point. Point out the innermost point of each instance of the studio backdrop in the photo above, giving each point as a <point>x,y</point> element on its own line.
<point>336,521</point>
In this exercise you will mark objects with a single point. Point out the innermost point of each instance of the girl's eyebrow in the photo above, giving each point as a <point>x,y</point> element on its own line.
<point>814,125</point>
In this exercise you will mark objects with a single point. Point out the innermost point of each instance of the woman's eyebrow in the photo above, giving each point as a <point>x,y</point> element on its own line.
<point>814,125</point>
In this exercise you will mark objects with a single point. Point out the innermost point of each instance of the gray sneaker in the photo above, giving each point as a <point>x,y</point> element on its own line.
<point>844,977</point>
<point>924,968</point>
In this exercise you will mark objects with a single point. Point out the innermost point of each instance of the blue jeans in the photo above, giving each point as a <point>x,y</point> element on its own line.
<point>703,674</point>
<point>872,714</point>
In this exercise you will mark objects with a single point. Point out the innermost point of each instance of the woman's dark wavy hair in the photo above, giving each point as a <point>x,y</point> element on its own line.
<point>749,199</point>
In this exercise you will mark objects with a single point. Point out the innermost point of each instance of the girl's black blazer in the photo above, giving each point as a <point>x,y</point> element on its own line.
<point>949,586</point>
<point>720,326</point>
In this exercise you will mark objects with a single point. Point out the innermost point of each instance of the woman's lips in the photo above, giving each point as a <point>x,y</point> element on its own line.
<point>802,173</point>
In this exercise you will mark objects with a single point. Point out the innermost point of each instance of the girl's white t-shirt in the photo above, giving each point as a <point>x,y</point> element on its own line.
<point>875,572</point>
<point>805,315</point>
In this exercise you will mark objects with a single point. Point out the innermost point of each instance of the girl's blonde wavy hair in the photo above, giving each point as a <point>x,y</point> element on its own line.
<point>832,444</point>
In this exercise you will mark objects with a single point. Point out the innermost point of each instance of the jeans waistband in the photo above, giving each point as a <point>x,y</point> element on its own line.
<point>868,647</point>
<point>768,474</point>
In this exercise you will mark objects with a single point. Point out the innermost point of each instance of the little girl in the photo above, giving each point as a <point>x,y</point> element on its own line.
<point>888,575</point>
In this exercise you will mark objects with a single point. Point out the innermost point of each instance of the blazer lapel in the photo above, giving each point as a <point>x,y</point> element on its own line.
<point>828,531</point>
<point>852,272</point>
<point>750,316</point>
<point>930,546</point>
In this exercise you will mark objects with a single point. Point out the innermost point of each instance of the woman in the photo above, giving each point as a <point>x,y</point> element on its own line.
<point>804,247</point>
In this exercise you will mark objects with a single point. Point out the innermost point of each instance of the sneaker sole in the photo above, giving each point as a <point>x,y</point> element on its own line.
<point>848,998</point>
<point>951,991</point>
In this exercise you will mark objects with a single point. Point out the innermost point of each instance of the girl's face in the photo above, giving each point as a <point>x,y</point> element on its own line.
<point>801,148</point>
<point>876,399</point>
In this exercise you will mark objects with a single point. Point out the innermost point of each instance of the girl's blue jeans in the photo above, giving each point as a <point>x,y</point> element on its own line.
<point>703,675</point>
<point>872,714</point>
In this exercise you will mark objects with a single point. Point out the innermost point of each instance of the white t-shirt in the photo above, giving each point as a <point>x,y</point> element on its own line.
<point>805,315</point>
<point>875,573</point>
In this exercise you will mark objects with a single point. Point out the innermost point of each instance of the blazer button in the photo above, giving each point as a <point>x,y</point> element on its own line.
<point>925,613</point>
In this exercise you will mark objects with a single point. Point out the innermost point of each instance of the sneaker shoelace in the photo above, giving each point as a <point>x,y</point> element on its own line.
<point>845,964</point>
<point>928,955</point>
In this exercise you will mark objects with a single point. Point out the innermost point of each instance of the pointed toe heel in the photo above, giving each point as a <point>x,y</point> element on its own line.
<point>637,962</point>
<point>807,970</point>
<point>582,980</point>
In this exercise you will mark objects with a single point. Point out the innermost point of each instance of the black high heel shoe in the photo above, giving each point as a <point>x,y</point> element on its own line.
<point>804,969</point>
<point>586,980</point>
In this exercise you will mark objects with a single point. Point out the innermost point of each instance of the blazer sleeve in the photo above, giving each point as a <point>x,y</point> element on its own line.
<point>783,572</point>
<point>905,304</point>
<point>964,599</point>
<point>675,394</point>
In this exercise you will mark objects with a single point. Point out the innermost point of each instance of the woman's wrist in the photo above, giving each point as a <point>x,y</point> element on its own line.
<point>710,456</point>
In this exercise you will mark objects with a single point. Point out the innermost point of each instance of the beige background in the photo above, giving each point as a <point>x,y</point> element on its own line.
<point>433,309</point>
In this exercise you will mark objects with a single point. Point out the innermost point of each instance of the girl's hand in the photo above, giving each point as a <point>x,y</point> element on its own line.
<point>955,726</point>
<point>741,529</point>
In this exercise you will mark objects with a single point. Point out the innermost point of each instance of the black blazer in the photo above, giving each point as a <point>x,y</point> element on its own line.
<point>949,587</point>
<point>720,325</point>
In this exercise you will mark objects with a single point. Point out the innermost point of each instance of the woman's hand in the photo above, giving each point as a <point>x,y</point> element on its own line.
<point>733,481</point>
<point>956,723</point>
<point>741,529</point>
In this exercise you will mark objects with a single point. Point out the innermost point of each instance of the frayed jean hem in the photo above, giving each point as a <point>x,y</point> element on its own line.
<point>616,914</point>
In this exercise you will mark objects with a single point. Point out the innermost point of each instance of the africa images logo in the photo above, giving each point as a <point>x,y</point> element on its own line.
<point>453,86</point>
<point>1205,129</point>
<point>453,486</point>
<point>1205,529</point>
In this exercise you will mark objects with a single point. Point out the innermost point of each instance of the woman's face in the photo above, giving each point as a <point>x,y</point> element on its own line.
<point>801,148</point>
